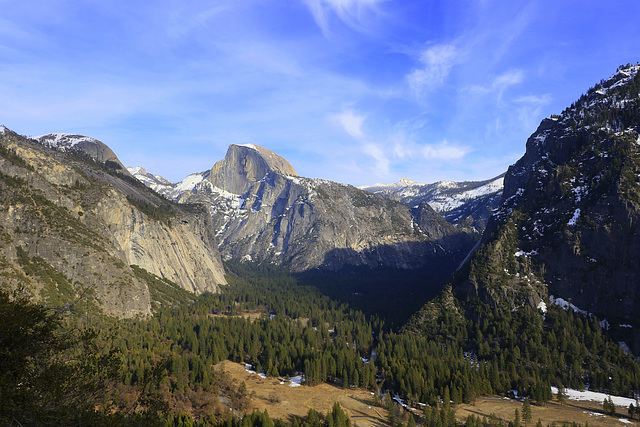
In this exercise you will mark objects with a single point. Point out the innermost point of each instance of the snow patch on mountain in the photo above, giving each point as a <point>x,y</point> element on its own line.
<point>442,196</point>
<point>62,141</point>
<point>566,305</point>
<point>456,201</point>
<point>190,182</point>
<point>444,201</point>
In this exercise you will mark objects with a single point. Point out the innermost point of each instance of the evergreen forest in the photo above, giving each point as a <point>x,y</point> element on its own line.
<point>77,367</point>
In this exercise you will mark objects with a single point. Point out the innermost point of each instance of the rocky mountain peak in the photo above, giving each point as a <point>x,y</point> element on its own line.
<point>67,142</point>
<point>570,214</point>
<point>406,181</point>
<point>245,164</point>
<point>468,204</point>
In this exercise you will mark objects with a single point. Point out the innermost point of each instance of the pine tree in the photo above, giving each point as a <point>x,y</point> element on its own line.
<point>527,415</point>
<point>562,395</point>
<point>412,421</point>
<point>516,418</point>
<point>608,406</point>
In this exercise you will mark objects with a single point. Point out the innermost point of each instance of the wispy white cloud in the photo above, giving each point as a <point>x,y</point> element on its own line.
<point>351,122</point>
<point>353,13</point>
<point>437,62</point>
<point>530,108</point>
<point>506,80</point>
<point>183,21</point>
<point>444,151</point>
<point>501,82</point>
<point>379,154</point>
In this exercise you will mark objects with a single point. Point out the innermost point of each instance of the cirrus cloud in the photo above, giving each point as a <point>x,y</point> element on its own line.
<point>444,151</point>
<point>351,122</point>
<point>353,13</point>
<point>437,63</point>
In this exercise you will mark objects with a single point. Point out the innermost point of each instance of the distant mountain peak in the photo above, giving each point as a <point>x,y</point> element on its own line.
<point>246,164</point>
<point>469,203</point>
<point>65,142</point>
<point>572,204</point>
<point>406,181</point>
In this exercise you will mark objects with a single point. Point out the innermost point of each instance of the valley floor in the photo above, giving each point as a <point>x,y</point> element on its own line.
<point>581,412</point>
<point>284,401</point>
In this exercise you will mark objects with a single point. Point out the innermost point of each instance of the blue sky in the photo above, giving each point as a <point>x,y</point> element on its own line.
<point>354,91</point>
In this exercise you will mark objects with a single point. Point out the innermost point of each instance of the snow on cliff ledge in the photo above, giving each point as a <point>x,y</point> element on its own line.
<point>62,141</point>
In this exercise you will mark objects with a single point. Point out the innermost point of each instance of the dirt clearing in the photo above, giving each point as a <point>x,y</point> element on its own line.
<point>580,412</point>
<point>284,402</point>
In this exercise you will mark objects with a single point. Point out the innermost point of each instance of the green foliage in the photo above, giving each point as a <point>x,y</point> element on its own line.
<point>161,211</point>
<point>14,158</point>
<point>562,395</point>
<point>44,214</point>
<point>13,181</point>
<point>527,415</point>
<point>608,406</point>
<point>164,293</point>
<point>48,375</point>
<point>517,350</point>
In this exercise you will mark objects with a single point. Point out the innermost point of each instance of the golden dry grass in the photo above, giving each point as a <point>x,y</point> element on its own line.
<point>580,412</point>
<point>284,402</point>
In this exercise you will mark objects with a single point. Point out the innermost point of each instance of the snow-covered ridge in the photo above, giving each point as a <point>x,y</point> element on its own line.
<point>62,141</point>
<point>445,203</point>
<point>394,186</point>
<point>2,129</point>
<point>165,187</point>
<point>623,76</point>
<point>442,196</point>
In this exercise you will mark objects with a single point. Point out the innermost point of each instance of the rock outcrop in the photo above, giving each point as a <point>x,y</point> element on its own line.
<point>93,148</point>
<point>569,222</point>
<point>263,211</point>
<point>72,225</point>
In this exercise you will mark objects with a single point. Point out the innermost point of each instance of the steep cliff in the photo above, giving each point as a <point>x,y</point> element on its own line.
<point>73,221</point>
<point>262,211</point>
<point>569,223</point>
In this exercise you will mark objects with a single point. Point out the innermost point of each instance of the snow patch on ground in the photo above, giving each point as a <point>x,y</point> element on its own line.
<point>296,381</point>
<point>247,367</point>
<point>525,254</point>
<point>592,396</point>
<point>542,306</point>
<point>574,220</point>
<point>625,347</point>
<point>566,304</point>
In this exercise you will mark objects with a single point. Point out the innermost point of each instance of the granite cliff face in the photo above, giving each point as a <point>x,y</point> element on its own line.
<point>73,224</point>
<point>569,222</point>
<point>262,211</point>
